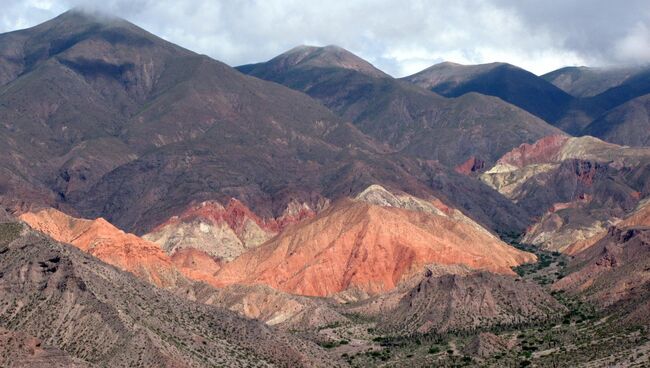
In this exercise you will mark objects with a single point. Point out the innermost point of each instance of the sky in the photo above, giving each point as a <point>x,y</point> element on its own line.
<point>401,37</point>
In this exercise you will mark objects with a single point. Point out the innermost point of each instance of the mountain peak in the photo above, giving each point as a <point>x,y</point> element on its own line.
<point>83,16</point>
<point>330,56</point>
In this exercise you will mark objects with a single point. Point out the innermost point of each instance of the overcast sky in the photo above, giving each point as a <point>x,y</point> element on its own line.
<point>400,37</point>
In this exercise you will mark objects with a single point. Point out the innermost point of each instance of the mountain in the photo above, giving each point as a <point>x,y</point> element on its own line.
<point>572,99</point>
<point>576,186</point>
<point>223,232</point>
<point>582,81</point>
<point>627,124</point>
<point>101,239</point>
<point>613,273</point>
<point>316,57</point>
<point>508,82</point>
<point>639,217</point>
<point>464,302</point>
<point>369,245</point>
<point>108,317</point>
<point>135,129</point>
<point>596,109</point>
<point>409,119</point>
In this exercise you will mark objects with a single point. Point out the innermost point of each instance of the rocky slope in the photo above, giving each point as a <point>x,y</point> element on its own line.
<point>104,241</point>
<point>508,82</point>
<point>454,299</point>
<point>613,273</point>
<point>18,350</point>
<point>639,217</point>
<point>577,186</point>
<point>477,300</point>
<point>411,120</point>
<point>110,318</point>
<point>223,232</point>
<point>627,124</point>
<point>288,312</point>
<point>369,245</point>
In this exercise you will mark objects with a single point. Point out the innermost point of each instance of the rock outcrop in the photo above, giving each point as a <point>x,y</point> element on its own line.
<point>223,232</point>
<point>106,242</point>
<point>576,187</point>
<point>458,301</point>
<point>370,244</point>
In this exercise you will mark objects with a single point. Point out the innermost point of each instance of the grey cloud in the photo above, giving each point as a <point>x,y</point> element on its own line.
<point>399,36</point>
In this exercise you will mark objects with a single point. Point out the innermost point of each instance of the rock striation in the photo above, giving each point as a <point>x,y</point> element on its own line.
<point>370,244</point>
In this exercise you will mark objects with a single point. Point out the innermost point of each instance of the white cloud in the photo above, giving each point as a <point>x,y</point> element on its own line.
<point>635,46</point>
<point>399,36</point>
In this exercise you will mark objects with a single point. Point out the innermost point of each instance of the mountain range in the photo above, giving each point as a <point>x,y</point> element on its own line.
<point>161,208</point>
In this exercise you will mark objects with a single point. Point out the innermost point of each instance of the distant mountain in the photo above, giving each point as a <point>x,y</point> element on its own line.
<point>409,119</point>
<point>315,57</point>
<point>584,81</point>
<point>626,124</point>
<point>577,186</point>
<point>134,129</point>
<point>613,101</point>
<point>508,82</point>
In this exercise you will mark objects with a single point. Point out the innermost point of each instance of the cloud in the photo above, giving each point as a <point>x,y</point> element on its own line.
<point>635,46</point>
<point>399,36</point>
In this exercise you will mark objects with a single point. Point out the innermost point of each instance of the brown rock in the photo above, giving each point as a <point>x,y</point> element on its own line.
<point>19,350</point>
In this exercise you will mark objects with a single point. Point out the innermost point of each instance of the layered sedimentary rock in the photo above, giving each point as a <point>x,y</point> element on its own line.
<point>577,187</point>
<point>176,272</point>
<point>106,242</point>
<point>528,160</point>
<point>223,232</point>
<point>370,244</point>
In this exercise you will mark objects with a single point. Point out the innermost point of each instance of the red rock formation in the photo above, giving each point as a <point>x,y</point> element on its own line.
<point>108,243</point>
<point>356,245</point>
<point>196,265</point>
<point>542,151</point>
